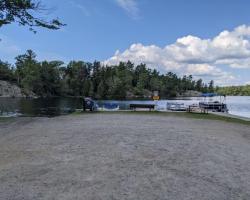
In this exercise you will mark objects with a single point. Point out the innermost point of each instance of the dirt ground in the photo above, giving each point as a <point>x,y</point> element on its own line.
<point>124,156</point>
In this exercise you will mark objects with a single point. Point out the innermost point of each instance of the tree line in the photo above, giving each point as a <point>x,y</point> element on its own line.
<point>235,90</point>
<point>79,78</point>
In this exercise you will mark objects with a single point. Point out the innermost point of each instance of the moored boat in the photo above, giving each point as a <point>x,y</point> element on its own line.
<point>214,106</point>
<point>176,106</point>
<point>108,107</point>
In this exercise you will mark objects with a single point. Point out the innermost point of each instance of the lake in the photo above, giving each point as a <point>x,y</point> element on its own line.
<point>238,105</point>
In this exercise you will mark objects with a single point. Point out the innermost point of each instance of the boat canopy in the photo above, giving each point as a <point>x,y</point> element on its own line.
<point>209,94</point>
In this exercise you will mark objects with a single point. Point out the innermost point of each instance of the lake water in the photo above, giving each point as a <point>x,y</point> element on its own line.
<point>238,105</point>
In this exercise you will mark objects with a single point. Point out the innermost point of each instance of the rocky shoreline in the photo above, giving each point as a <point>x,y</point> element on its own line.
<point>8,89</point>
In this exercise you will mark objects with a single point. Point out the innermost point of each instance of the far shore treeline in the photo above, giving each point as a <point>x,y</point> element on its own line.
<point>79,78</point>
<point>243,90</point>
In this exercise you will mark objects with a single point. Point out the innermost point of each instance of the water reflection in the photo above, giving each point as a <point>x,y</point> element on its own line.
<point>58,106</point>
<point>39,107</point>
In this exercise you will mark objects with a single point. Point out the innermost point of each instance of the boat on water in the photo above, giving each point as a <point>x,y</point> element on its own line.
<point>108,107</point>
<point>10,114</point>
<point>209,94</point>
<point>176,106</point>
<point>214,106</point>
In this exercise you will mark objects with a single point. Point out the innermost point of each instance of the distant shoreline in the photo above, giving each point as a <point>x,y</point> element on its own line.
<point>126,99</point>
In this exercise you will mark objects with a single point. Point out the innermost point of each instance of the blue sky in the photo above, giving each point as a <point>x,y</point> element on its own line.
<point>206,38</point>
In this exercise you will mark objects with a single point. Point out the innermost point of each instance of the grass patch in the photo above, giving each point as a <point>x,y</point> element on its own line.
<point>209,116</point>
<point>212,116</point>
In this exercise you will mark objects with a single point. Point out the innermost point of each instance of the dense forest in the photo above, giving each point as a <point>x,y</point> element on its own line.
<point>79,78</point>
<point>235,90</point>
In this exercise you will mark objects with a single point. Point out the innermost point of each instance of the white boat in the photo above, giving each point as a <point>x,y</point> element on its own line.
<point>108,107</point>
<point>176,106</point>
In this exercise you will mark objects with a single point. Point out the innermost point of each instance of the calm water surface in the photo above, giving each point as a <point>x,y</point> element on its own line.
<point>57,106</point>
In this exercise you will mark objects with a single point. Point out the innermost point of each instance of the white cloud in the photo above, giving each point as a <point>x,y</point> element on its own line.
<point>130,6</point>
<point>247,83</point>
<point>194,55</point>
<point>208,72</point>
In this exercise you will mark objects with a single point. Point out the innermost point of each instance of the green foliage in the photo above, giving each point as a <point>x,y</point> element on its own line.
<point>79,78</point>
<point>27,70</point>
<point>211,86</point>
<point>49,78</point>
<point>43,78</point>
<point>6,71</point>
<point>76,78</point>
<point>234,90</point>
<point>22,12</point>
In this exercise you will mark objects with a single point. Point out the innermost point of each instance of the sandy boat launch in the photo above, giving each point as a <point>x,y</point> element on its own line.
<point>124,100</point>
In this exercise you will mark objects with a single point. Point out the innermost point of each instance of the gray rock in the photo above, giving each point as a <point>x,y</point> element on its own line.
<point>8,89</point>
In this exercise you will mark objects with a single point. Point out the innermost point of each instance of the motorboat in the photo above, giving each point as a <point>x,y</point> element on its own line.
<point>214,106</point>
<point>176,106</point>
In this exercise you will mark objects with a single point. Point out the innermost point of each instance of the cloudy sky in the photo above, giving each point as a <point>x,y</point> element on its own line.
<point>209,39</point>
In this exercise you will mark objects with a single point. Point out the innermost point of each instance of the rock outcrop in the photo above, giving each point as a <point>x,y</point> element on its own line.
<point>8,89</point>
<point>190,93</point>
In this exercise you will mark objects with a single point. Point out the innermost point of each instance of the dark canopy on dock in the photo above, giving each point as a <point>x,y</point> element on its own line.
<point>210,94</point>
